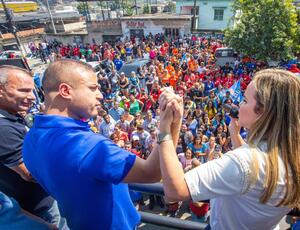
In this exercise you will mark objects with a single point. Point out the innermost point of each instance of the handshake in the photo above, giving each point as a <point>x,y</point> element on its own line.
<point>171,107</point>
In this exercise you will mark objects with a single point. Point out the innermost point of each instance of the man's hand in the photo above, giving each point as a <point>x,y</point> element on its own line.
<point>171,106</point>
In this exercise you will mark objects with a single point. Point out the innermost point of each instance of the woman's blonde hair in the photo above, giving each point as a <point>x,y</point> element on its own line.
<point>278,102</point>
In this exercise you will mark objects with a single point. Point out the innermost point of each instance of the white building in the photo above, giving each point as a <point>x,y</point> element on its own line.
<point>211,15</point>
<point>169,24</point>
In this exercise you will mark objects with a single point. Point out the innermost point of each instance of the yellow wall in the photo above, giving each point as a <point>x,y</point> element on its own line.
<point>21,6</point>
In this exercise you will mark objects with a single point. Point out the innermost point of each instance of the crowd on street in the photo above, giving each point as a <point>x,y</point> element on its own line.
<point>129,114</point>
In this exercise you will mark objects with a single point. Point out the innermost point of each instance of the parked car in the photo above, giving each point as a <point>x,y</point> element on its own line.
<point>10,53</point>
<point>128,67</point>
<point>225,55</point>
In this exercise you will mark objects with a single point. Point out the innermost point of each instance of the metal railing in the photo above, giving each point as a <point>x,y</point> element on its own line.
<point>155,188</point>
<point>163,221</point>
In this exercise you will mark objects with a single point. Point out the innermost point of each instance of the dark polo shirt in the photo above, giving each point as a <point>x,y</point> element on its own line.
<point>12,133</point>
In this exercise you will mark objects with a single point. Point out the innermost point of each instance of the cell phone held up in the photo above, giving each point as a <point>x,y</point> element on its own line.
<point>232,110</point>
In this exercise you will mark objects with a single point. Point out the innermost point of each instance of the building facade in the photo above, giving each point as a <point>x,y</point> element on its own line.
<point>168,24</point>
<point>211,15</point>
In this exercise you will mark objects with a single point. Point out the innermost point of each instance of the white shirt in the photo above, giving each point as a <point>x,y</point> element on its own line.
<point>107,129</point>
<point>235,204</point>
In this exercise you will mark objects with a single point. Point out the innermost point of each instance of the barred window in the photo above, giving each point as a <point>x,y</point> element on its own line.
<point>172,31</point>
<point>219,13</point>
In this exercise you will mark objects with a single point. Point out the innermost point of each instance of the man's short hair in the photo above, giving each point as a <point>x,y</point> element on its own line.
<point>54,74</point>
<point>4,72</point>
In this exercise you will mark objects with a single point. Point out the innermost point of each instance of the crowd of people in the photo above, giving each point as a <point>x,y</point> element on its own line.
<point>186,64</point>
<point>129,114</point>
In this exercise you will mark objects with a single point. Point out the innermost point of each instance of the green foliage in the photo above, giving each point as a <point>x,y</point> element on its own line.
<point>265,29</point>
<point>146,9</point>
<point>127,7</point>
<point>172,6</point>
<point>80,8</point>
<point>128,11</point>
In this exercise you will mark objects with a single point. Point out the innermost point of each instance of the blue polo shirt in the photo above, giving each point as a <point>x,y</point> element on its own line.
<point>83,171</point>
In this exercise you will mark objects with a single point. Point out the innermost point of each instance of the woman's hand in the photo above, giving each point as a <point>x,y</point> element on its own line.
<point>166,118</point>
<point>234,128</point>
<point>235,136</point>
<point>168,103</point>
<point>168,96</point>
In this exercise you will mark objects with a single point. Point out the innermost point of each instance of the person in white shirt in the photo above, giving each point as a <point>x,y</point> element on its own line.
<point>255,185</point>
<point>107,126</point>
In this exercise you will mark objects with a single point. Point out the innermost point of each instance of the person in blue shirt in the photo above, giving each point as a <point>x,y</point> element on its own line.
<point>208,86</point>
<point>116,112</point>
<point>84,171</point>
<point>14,217</point>
<point>118,63</point>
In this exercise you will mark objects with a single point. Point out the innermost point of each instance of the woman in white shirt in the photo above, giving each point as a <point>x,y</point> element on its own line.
<point>256,184</point>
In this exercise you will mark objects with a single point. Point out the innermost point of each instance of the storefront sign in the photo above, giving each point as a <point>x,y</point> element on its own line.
<point>132,24</point>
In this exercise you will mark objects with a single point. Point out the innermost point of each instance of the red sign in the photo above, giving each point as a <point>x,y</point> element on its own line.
<point>131,24</point>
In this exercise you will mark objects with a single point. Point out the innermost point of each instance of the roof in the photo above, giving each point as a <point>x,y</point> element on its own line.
<point>157,17</point>
<point>40,15</point>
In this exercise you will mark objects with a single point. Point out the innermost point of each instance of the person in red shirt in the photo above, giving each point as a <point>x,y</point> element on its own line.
<point>62,51</point>
<point>243,84</point>
<point>76,52</point>
<point>120,134</point>
<point>294,69</point>
<point>163,50</point>
<point>143,97</point>
<point>154,94</point>
<point>127,147</point>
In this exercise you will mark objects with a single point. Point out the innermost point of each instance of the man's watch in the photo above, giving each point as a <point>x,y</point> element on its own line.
<point>161,137</point>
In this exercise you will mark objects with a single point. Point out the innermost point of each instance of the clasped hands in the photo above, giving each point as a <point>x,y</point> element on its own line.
<point>171,107</point>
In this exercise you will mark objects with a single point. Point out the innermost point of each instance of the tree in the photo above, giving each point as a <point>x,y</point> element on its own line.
<point>265,29</point>
<point>81,8</point>
<point>146,9</point>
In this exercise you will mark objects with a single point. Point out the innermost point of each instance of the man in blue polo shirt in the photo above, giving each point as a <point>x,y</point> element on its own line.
<point>84,171</point>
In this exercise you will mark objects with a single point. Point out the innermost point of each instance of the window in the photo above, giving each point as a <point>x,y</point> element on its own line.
<point>219,13</point>
<point>172,31</point>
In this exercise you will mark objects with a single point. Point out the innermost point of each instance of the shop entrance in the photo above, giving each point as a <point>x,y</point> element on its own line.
<point>136,33</point>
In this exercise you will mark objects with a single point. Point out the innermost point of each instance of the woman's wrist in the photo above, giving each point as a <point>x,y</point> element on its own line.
<point>165,130</point>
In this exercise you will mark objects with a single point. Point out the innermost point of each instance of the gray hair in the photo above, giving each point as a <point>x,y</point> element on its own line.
<point>3,77</point>
<point>4,72</point>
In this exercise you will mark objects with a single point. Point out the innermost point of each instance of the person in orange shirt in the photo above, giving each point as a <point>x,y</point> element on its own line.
<point>175,51</point>
<point>173,79</point>
<point>170,68</point>
<point>192,65</point>
<point>178,73</point>
<point>165,77</point>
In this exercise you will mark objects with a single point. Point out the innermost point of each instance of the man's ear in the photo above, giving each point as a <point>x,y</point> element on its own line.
<point>64,90</point>
<point>1,90</point>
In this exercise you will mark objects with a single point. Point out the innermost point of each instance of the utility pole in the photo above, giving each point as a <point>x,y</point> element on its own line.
<point>51,18</point>
<point>136,7</point>
<point>194,18</point>
<point>11,24</point>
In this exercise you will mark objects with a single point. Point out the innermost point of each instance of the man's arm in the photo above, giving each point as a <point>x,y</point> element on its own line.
<point>11,142</point>
<point>148,171</point>
<point>23,172</point>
